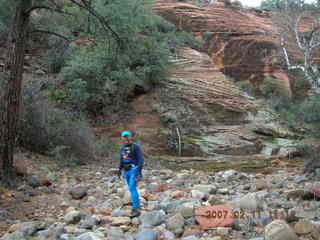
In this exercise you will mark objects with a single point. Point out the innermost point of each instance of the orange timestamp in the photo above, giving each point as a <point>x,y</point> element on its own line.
<point>223,214</point>
<point>241,214</point>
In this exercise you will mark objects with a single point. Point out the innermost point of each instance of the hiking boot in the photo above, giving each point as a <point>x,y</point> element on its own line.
<point>135,212</point>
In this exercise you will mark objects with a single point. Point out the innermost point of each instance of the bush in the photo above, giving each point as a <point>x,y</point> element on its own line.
<point>310,110</point>
<point>273,87</point>
<point>107,71</point>
<point>57,55</point>
<point>6,10</point>
<point>107,147</point>
<point>247,87</point>
<point>95,73</point>
<point>296,112</point>
<point>310,154</point>
<point>44,128</point>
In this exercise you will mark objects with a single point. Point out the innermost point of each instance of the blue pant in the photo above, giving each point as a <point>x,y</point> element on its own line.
<point>130,177</point>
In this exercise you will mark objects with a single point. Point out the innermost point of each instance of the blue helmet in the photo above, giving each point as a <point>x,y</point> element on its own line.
<point>126,133</point>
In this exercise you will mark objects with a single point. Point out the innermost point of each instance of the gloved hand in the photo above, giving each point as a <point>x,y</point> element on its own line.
<point>119,173</point>
<point>138,176</point>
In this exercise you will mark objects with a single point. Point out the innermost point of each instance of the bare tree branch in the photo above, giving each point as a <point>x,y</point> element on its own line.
<point>57,9</point>
<point>51,33</point>
<point>296,33</point>
<point>103,22</point>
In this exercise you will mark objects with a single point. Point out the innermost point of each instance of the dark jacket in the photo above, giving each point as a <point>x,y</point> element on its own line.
<point>131,154</point>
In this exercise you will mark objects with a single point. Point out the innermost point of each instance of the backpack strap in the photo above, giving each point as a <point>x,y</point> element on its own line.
<point>133,148</point>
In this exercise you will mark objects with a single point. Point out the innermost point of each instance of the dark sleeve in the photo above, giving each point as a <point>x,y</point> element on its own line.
<point>121,160</point>
<point>139,156</point>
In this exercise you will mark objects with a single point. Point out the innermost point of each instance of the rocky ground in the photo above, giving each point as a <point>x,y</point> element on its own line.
<point>91,203</point>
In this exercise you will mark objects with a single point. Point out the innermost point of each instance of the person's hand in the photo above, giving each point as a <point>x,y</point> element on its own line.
<point>138,176</point>
<point>119,173</point>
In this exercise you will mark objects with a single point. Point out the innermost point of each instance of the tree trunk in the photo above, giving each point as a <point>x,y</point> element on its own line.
<point>13,81</point>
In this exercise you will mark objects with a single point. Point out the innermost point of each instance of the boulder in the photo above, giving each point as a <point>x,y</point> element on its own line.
<point>279,230</point>
<point>175,224</point>
<point>73,217</point>
<point>151,219</point>
<point>146,234</point>
<point>78,192</point>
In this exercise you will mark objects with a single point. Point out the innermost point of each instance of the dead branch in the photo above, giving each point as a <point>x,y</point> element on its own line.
<point>51,33</point>
<point>57,9</point>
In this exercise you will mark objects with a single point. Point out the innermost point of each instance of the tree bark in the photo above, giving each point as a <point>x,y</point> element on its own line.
<point>13,83</point>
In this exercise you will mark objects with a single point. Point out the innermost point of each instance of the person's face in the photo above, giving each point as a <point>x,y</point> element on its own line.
<point>126,139</point>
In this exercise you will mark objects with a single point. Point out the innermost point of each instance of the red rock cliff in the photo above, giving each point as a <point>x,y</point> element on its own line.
<point>241,42</point>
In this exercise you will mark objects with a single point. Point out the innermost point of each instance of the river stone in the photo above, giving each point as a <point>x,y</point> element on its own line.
<point>15,236</point>
<point>89,222</point>
<point>190,238</point>
<point>279,230</point>
<point>34,181</point>
<point>78,192</point>
<point>168,235</point>
<point>175,224</point>
<point>119,213</point>
<point>151,219</point>
<point>30,228</point>
<point>171,206</point>
<point>146,234</point>
<point>53,231</point>
<point>207,189</point>
<point>251,201</point>
<point>223,191</point>
<point>303,227</point>
<point>118,221</point>
<point>65,236</point>
<point>199,195</point>
<point>186,209</point>
<point>214,200</point>
<point>229,174</point>
<point>223,231</point>
<point>72,217</point>
<point>115,232</point>
<point>90,236</point>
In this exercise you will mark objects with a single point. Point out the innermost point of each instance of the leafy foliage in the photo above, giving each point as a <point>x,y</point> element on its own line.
<point>57,55</point>
<point>295,111</point>
<point>282,4</point>
<point>109,68</point>
<point>247,86</point>
<point>298,113</point>
<point>46,128</point>
<point>273,87</point>
<point>6,10</point>
<point>131,51</point>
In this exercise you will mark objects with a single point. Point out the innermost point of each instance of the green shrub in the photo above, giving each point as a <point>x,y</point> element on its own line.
<point>55,58</point>
<point>134,55</point>
<point>247,87</point>
<point>56,94</point>
<point>273,87</point>
<point>294,112</point>
<point>103,72</point>
<point>310,154</point>
<point>297,112</point>
<point>107,147</point>
<point>6,10</point>
<point>44,127</point>
<point>310,110</point>
<point>3,27</point>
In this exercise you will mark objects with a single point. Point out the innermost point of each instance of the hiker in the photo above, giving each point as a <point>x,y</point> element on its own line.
<point>131,160</point>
